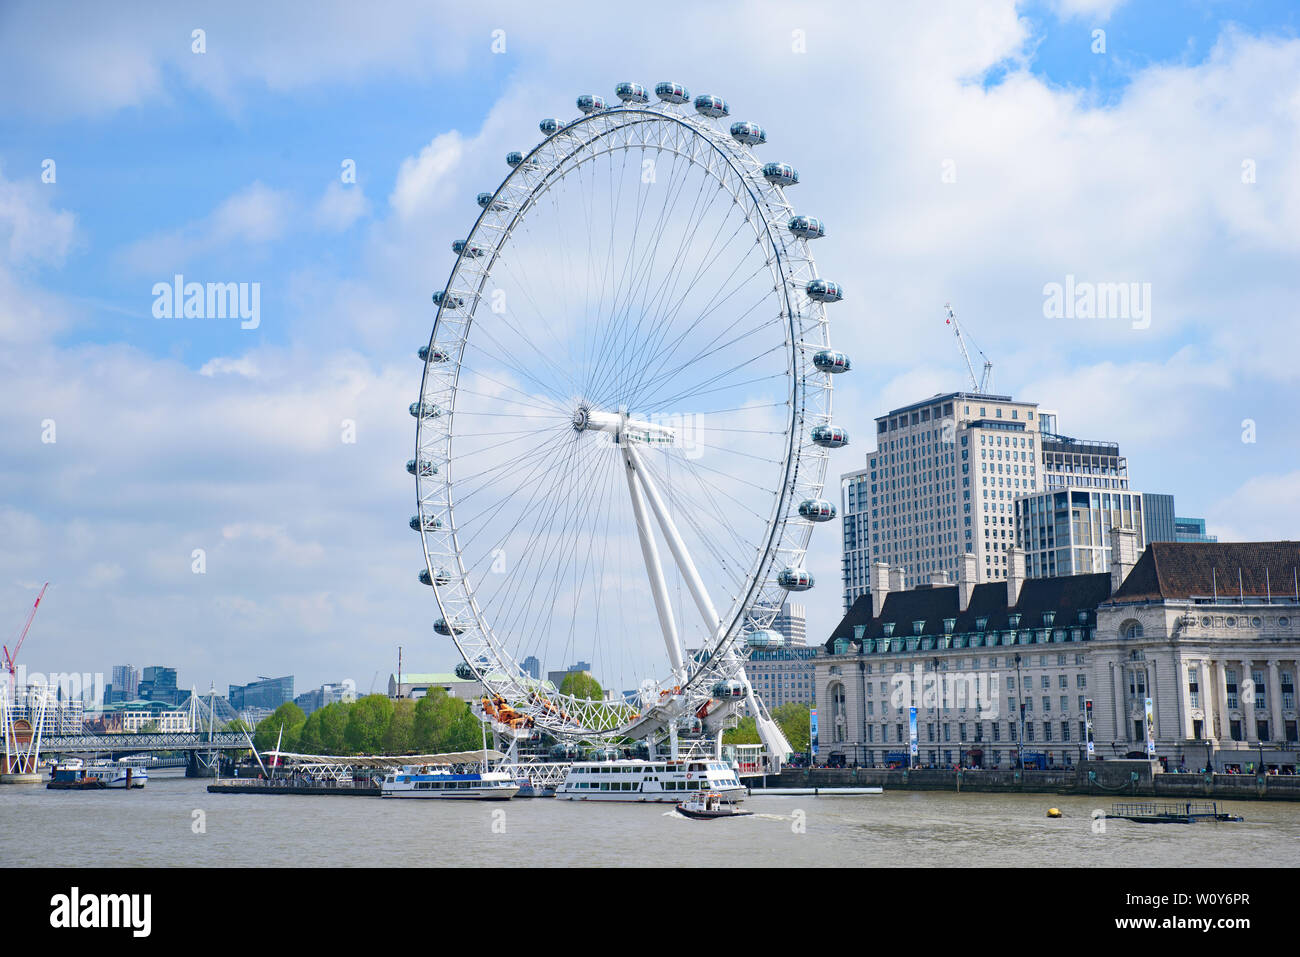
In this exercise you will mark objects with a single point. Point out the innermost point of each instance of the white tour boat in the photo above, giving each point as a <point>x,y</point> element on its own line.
<point>426,782</point>
<point>660,782</point>
<point>118,775</point>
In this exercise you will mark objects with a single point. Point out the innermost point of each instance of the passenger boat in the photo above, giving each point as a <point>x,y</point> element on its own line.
<point>706,807</point>
<point>74,778</point>
<point>660,782</point>
<point>78,776</point>
<point>425,782</point>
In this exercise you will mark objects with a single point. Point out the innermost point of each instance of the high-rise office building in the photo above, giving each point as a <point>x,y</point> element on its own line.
<point>1069,531</point>
<point>941,482</point>
<point>262,693</point>
<point>126,683</point>
<point>532,667</point>
<point>1192,530</point>
<point>158,684</point>
<point>791,621</point>
<point>1158,517</point>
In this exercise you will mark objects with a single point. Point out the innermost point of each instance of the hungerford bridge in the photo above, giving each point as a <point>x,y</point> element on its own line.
<point>23,746</point>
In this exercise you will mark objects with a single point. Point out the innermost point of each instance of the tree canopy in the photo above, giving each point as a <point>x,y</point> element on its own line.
<point>290,717</point>
<point>581,684</point>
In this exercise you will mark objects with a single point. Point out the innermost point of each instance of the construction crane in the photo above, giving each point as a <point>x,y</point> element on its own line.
<point>984,385</point>
<point>10,657</point>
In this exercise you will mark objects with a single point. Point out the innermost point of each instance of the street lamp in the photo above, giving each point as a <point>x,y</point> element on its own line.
<point>936,706</point>
<point>1020,690</point>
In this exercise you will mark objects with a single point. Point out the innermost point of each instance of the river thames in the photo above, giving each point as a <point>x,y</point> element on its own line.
<point>176,822</point>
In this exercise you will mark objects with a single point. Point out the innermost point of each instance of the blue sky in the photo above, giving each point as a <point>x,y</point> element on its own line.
<point>175,435</point>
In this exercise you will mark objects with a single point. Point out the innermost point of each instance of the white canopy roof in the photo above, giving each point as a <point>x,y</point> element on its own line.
<point>388,760</point>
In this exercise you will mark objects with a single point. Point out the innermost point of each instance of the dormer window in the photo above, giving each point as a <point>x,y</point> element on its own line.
<point>1013,621</point>
<point>948,625</point>
<point>889,629</point>
<point>918,626</point>
<point>1049,618</point>
<point>981,624</point>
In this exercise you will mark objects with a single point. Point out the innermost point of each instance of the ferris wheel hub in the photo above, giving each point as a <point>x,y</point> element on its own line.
<point>623,427</point>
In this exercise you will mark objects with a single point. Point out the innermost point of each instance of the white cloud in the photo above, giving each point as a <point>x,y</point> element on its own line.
<point>154,460</point>
<point>1098,10</point>
<point>222,365</point>
<point>31,229</point>
<point>254,216</point>
<point>339,207</point>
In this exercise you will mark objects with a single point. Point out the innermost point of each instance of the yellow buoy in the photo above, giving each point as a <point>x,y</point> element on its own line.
<point>1053,812</point>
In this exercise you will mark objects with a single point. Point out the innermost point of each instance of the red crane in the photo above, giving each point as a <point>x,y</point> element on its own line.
<point>10,656</point>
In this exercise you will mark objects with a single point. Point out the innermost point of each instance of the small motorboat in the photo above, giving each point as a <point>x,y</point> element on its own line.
<point>708,806</point>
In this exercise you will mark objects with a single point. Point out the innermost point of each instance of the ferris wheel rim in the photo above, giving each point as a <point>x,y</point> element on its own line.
<point>794,449</point>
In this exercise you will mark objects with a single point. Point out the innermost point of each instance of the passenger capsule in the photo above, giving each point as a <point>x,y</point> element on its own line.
<point>487,202</point>
<point>591,103</point>
<point>425,410</point>
<point>632,93</point>
<point>823,290</point>
<point>550,126</point>
<point>751,134</point>
<point>830,436</point>
<point>780,174</point>
<point>828,360</point>
<point>711,106</point>
<point>805,227</point>
<point>817,510</point>
<point>463,247</point>
<point>514,158</point>
<point>444,298</point>
<point>795,579</point>
<point>464,672</point>
<point>440,576</point>
<point>672,92</point>
<point>431,523</point>
<point>437,355</point>
<point>444,627</point>
<point>426,468</point>
<point>765,638</point>
<point>729,689</point>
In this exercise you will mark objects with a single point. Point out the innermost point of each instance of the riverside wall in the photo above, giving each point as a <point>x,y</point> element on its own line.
<point>1118,778</point>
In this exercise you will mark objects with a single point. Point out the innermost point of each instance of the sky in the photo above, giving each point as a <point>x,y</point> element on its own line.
<point>972,152</point>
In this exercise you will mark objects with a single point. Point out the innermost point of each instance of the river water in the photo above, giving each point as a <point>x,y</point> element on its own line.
<point>159,826</point>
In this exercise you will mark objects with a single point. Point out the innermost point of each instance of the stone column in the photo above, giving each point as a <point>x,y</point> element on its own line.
<point>1221,689</point>
<point>1205,670</point>
<point>1121,701</point>
<point>1275,701</point>
<point>1181,672</point>
<point>1247,706</point>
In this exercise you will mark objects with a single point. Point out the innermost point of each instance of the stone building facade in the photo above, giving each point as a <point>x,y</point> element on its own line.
<point>989,665</point>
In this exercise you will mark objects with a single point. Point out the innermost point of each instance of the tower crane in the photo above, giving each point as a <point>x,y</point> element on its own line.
<point>983,385</point>
<point>9,657</point>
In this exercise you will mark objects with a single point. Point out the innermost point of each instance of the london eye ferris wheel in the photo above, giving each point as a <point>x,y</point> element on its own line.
<point>624,421</point>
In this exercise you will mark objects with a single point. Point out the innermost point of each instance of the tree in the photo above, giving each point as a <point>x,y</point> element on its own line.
<point>333,725</point>
<point>399,738</point>
<point>793,718</point>
<point>434,719</point>
<point>746,732</point>
<point>290,717</point>
<point>368,720</point>
<point>581,684</point>
<point>309,739</point>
